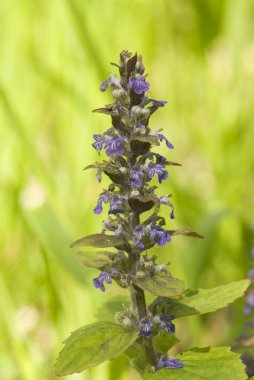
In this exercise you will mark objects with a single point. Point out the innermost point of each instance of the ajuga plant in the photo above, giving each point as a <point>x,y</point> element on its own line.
<point>244,344</point>
<point>143,326</point>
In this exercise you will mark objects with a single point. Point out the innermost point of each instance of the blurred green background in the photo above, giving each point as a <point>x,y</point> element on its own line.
<point>54,55</point>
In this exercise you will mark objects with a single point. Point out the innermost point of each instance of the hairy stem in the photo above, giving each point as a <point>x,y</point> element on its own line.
<point>138,299</point>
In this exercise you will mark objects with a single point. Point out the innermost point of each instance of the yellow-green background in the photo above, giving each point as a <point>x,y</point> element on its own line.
<point>53,56</point>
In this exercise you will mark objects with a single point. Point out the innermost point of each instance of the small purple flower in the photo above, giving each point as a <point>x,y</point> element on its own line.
<point>116,205</point>
<point>161,137</point>
<point>99,141</point>
<point>113,146</point>
<point>112,80</point>
<point>160,159</point>
<point>139,233</point>
<point>251,275</point>
<point>162,236</point>
<point>99,281</point>
<point>171,363</point>
<point>104,85</point>
<point>146,329</point>
<point>98,208</point>
<point>138,84</point>
<point>250,303</point>
<point>166,323</point>
<point>136,176</point>
<point>157,169</point>
<point>164,201</point>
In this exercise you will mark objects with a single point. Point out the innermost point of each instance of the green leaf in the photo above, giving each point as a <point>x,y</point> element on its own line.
<point>95,259</point>
<point>136,356</point>
<point>203,301</point>
<point>111,307</point>
<point>98,240</point>
<point>161,285</point>
<point>91,345</point>
<point>218,363</point>
<point>164,341</point>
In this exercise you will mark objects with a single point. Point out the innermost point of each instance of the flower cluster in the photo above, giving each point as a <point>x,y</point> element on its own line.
<point>134,170</point>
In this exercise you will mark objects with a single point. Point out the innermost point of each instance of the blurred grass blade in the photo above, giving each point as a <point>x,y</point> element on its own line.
<point>47,228</point>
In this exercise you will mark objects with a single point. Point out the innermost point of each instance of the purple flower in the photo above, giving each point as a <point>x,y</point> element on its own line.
<point>99,281</point>
<point>167,362</point>
<point>168,143</point>
<point>112,80</point>
<point>113,146</point>
<point>139,233</point>
<point>138,84</point>
<point>164,201</point>
<point>146,329</point>
<point>250,303</point>
<point>117,229</point>
<point>157,169</point>
<point>161,137</point>
<point>162,236</point>
<point>99,141</point>
<point>104,85</point>
<point>116,205</point>
<point>98,208</point>
<point>136,176</point>
<point>251,275</point>
<point>166,323</point>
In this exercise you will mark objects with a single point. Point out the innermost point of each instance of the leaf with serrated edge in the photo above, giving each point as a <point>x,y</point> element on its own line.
<point>161,285</point>
<point>98,240</point>
<point>204,364</point>
<point>202,301</point>
<point>91,345</point>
